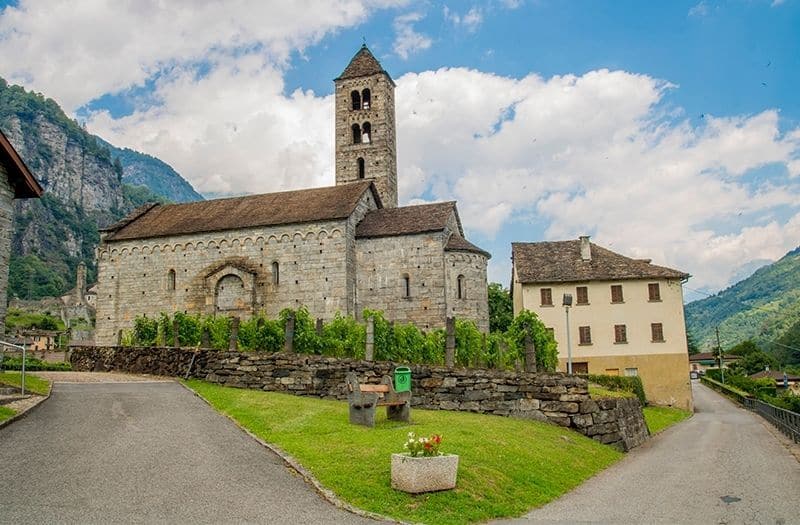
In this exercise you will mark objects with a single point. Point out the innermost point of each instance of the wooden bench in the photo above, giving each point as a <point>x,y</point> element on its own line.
<point>363,400</point>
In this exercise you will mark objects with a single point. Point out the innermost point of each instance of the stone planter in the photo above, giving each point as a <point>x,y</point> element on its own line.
<point>423,474</point>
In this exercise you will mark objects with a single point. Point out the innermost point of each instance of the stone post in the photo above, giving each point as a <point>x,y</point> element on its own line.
<point>530,352</point>
<point>369,352</point>
<point>176,340</point>
<point>205,338</point>
<point>319,327</point>
<point>233,342</point>
<point>450,344</point>
<point>288,343</point>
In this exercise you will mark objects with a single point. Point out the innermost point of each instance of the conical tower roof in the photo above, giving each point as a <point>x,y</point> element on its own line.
<point>363,64</point>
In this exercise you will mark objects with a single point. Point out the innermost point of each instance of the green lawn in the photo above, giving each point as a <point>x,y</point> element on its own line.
<point>596,392</point>
<point>507,466</point>
<point>6,413</point>
<point>33,384</point>
<point>660,418</point>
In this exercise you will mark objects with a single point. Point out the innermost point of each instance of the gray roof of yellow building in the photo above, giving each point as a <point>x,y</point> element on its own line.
<point>560,261</point>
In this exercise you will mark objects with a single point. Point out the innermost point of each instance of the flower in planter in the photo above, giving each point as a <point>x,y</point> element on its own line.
<point>423,446</point>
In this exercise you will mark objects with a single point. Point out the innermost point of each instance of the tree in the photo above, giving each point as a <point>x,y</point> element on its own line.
<point>501,309</point>
<point>691,344</point>
<point>745,348</point>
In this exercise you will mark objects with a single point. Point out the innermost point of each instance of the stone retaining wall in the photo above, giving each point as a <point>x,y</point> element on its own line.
<point>556,398</point>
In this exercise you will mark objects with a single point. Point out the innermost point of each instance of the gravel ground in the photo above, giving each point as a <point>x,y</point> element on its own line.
<point>145,452</point>
<point>723,465</point>
<point>99,377</point>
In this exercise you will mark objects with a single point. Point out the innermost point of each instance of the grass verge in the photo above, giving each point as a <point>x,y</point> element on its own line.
<point>507,466</point>
<point>597,392</point>
<point>6,413</point>
<point>660,418</point>
<point>33,384</point>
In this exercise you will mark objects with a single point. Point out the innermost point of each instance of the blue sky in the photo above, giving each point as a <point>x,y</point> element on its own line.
<point>668,130</point>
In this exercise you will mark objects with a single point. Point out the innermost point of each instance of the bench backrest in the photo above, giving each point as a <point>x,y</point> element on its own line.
<point>374,388</point>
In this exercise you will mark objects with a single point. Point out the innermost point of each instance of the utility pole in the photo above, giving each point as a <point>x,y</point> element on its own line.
<point>721,362</point>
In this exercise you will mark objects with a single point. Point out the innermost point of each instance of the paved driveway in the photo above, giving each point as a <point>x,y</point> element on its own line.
<point>721,466</point>
<point>145,452</point>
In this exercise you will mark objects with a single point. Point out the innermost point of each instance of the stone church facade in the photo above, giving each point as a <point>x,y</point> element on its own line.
<point>337,249</point>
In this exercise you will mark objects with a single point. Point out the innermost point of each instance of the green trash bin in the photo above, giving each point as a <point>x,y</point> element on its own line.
<point>402,379</point>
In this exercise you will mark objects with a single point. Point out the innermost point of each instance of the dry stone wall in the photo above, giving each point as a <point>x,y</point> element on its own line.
<point>556,398</point>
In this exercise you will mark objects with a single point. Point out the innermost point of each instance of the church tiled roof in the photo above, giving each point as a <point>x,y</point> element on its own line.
<point>363,64</point>
<point>269,209</point>
<point>406,220</point>
<point>20,177</point>
<point>457,243</point>
<point>560,261</point>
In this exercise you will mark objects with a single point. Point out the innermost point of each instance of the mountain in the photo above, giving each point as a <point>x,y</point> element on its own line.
<point>764,307</point>
<point>141,169</point>
<point>84,189</point>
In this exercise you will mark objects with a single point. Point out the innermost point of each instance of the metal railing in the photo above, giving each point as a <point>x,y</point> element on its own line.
<point>787,421</point>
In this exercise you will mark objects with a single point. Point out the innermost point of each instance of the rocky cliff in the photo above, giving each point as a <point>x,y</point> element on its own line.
<point>84,190</point>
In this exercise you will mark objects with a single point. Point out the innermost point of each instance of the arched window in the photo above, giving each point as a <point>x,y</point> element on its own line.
<point>356,134</point>
<point>406,285</point>
<point>366,132</point>
<point>355,97</point>
<point>462,287</point>
<point>362,170</point>
<point>171,280</point>
<point>276,277</point>
<point>366,98</point>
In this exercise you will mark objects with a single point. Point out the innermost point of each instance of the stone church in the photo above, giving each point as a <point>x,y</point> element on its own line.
<point>334,249</point>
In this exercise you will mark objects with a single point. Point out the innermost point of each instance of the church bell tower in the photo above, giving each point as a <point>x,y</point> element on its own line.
<point>365,126</point>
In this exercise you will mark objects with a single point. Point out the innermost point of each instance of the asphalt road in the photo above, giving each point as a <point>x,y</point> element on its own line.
<point>721,466</point>
<point>145,453</point>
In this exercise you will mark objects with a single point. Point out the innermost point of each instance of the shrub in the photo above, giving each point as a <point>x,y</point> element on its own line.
<point>261,334</point>
<point>469,343</point>
<point>628,384</point>
<point>219,329</point>
<point>190,329</point>
<point>306,340</point>
<point>543,340</point>
<point>34,365</point>
<point>145,331</point>
<point>344,337</point>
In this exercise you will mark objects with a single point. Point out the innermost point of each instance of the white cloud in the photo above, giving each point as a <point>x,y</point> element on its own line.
<point>594,154</point>
<point>699,10</point>
<point>470,20</point>
<point>232,130</point>
<point>77,51</point>
<point>407,40</point>
<point>591,154</point>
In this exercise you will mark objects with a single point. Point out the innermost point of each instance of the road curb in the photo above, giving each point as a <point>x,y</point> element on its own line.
<point>24,413</point>
<point>295,465</point>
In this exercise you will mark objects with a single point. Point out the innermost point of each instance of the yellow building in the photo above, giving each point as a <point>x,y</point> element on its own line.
<point>625,318</point>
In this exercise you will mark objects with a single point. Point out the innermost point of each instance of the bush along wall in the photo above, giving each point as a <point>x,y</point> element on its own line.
<point>345,337</point>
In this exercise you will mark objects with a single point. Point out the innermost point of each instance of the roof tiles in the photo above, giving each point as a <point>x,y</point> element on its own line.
<point>269,209</point>
<point>561,261</point>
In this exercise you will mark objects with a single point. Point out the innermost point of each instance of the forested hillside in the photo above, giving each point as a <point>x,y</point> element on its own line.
<point>765,308</point>
<point>83,190</point>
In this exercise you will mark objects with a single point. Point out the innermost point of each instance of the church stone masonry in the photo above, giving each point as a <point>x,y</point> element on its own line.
<point>337,249</point>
